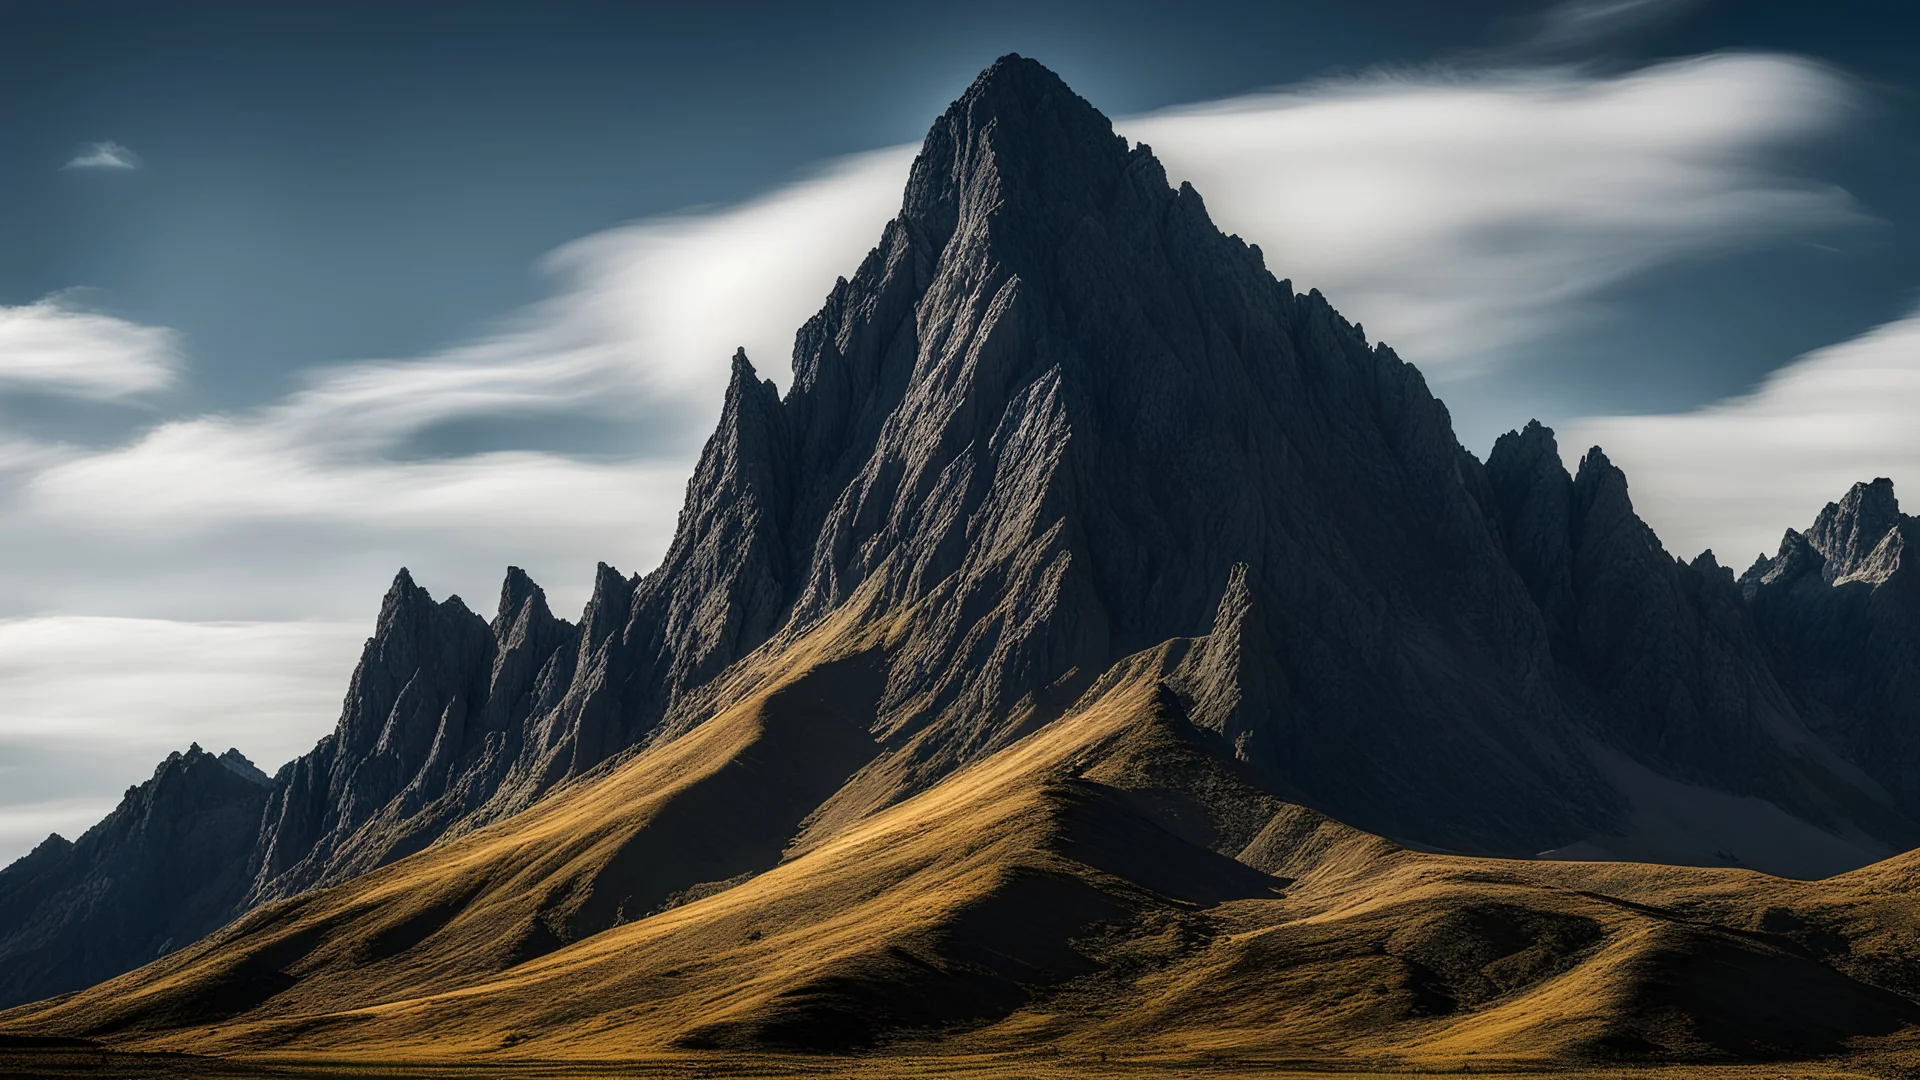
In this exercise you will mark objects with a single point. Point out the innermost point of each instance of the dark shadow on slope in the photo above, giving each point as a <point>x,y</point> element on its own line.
<point>815,734</point>
<point>1103,828</point>
<point>979,964</point>
<point>1707,993</point>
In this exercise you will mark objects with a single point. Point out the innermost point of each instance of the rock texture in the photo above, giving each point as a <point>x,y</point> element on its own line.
<point>1841,606</point>
<point>1056,418</point>
<point>431,722</point>
<point>164,868</point>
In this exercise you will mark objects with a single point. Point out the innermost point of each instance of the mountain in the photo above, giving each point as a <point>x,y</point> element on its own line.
<point>1099,645</point>
<point>1842,605</point>
<point>162,870</point>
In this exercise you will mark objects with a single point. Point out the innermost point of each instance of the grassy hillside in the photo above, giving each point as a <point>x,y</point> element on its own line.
<point>1107,895</point>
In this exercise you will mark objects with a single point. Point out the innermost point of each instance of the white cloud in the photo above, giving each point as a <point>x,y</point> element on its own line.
<point>641,331</point>
<point>1465,219</point>
<point>94,703</point>
<point>1733,476</point>
<point>104,155</point>
<point>147,683</point>
<point>680,293</point>
<point>23,825</point>
<point>54,348</point>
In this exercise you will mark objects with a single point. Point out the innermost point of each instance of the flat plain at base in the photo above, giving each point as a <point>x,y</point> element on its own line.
<point>67,1062</point>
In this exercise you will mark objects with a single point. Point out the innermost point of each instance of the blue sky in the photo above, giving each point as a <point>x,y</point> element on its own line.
<point>292,295</point>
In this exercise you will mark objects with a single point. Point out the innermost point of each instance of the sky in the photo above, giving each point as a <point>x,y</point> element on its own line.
<point>293,295</point>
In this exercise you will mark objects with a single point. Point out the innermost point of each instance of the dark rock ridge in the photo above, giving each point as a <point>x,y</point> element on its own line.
<point>432,720</point>
<point>1841,607</point>
<point>1056,417</point>
<point>167,866</point>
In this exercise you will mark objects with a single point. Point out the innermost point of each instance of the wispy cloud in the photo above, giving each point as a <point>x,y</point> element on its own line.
<point>305,506</point>
<point>1580,23</point>
<point>56,348</point>
<point>105,155</point>
<point>1465,218</point>
<point>24,824</point>
<point>1734,475</point>
<point>148,681</point>
<point>90,704</point>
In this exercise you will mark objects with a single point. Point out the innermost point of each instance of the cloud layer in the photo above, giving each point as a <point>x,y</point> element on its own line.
<point>91,704</point>
<point>1734,476</point>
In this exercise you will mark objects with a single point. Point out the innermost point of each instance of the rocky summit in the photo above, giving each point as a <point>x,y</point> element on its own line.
<point>1097,621</point>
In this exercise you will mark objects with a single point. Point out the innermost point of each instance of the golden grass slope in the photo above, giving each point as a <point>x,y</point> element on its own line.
<point>1106,886</point>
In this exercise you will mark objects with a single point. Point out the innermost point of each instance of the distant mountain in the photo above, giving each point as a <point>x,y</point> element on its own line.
<point>167,866</point>
<point>1091,598</point>
<point>1840,606</point>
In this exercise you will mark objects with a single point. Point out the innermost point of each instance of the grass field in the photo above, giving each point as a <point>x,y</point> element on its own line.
<point>72,1062</point>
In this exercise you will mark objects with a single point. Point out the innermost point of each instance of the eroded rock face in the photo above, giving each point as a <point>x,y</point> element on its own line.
<point>1056,417</point>
<point>434,713</point>
<point>167,866</point>
<point>1841,608</point>
<point>1666,654</point>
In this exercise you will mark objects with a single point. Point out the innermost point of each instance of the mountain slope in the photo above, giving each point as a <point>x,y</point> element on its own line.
<point>1074,890</point>
<point>1841,602</point>
<point>164,868</point>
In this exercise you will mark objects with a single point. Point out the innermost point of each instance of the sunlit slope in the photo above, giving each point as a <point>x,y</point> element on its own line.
<point>717,803</point>
<point>1108,884</point>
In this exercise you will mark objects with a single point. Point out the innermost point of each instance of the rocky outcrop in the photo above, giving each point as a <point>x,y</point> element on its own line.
<point>1840,605</point>
<point>1666,653</point>
<point>432,715</point>
<point>160,871</point>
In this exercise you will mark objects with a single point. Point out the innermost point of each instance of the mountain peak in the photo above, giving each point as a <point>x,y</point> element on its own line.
<point>515,591</point>
<point>239,765</point>
<point>1848,531</point>
<point>1018,142</point>
<point>1013,80</point>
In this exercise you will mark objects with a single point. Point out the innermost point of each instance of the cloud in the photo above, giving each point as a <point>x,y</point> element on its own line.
<point>1466,219</point>
<point>147,682</point>
<point>110,697</point>
<point>681,292</point>
<point>1576,23</point>
<point>642,326</point>
<point>52,347</point>
<point>24,824</point>
<point>105,155</point>
<point>304,507</point>
<point>1733,476</point>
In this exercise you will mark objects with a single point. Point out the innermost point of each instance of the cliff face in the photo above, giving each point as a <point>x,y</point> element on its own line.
<point>1672,664</point>
<point>160,871</point>
<point>1841,606</point>
<point>431,721</point>
<point>1056,418</point>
